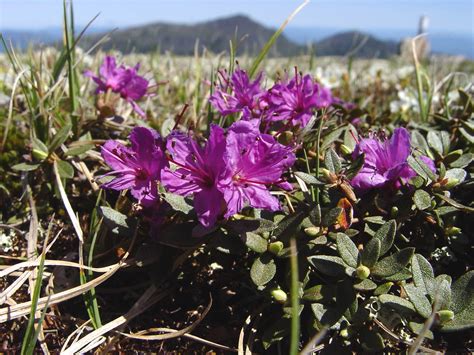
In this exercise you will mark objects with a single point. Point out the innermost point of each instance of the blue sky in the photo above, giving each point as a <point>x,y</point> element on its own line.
<point>445,15</point>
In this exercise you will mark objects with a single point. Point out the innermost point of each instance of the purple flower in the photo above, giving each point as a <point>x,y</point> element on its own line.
<point>246,96</point>
<point>385,162</point>
<point>121,80</point>
<point>196,172</point>
<point>137,168</point>
<point>294,101</point>
<point>254,161</point>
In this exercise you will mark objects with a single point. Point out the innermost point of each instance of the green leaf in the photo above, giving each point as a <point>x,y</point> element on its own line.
<point>117,222</point>
<point>423,275</point>
<point>371,253</point>
<point>402,275</point>
<point>60,137</point>
<point>330,217</point>
<point>393,263</point>
<point>420,167</point>
<point>308,178</point>
<point>326,316</point>
<point>371,340</point>
<point>456,204</point>
<point>422,199</point>
<point>289,225</point>
<point>456,173</point>
<point>365,285</point>
<point>332,161</point>
<point>177,202</point>
<point>386,235</point>
<point>463,292</point>
<point>418,297</point>
<point>418,327</point>
<point>319,293</point>
<point>347,250</point>
<point>328,265</point>
<point>463,161</point>
<point>275,332</point>
<point>443,294</point>
<point>25,167</point>
<point>78,149</point>
<point>65,169</point>
<point>255,242</point>
<point>349,137</point>
<point>397,303</point>
<point>355,166</point>
<point>263,270</point>
<point>434,141</point>
<point>418,141</point>
<point>463,320</point>
<point>383,288</point>
<point>255,225</point>
<point>315,215</point>
<point>40,150</point>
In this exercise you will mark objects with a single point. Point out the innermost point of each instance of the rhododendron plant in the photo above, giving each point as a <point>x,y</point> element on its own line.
<point>121,80</point>
<point>385,161</point>
<point>138,167</point>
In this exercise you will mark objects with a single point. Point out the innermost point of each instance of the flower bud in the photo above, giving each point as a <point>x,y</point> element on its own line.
<point>279,295</point>
<point>344,333</point>
<point>362,272</point>
<point>330,177</point>
<point>275,247</point>
<point>394,212</point>
<point>452,231</point>
<point>445,316</point>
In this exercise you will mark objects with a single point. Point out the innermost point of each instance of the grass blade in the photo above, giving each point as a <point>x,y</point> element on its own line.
<point>263,53</point>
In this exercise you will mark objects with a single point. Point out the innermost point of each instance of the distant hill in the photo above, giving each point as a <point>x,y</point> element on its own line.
<point>213,35</point>
<point>358,44</point>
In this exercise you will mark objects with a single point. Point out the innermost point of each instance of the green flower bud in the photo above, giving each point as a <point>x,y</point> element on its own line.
<point>445,316</point>
<point>394,212</point>
<point>452,231</point>
<point>275,247</point>
<point>279,295</point>
<point>362,272</point>
<point>344,333</point>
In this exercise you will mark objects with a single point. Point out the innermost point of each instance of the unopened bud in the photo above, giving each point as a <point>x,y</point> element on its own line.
<point>330,177</point>
<point>394,212</point>
<point>279,295</point>
<point>362,272</point>
<point>344,333</point>
<point>452,231</point>
<point>445,316</point>
<point>275,247</point>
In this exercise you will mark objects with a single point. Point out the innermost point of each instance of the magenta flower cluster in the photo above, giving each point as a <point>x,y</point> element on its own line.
<point>233,169</point>
<point>385,162</point>
<point>121,80</point>
<point>292,101</point>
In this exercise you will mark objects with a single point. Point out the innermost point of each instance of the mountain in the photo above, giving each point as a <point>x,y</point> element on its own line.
<point>213,35</point>
<point>358,44</point>
<point>216,34</point>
